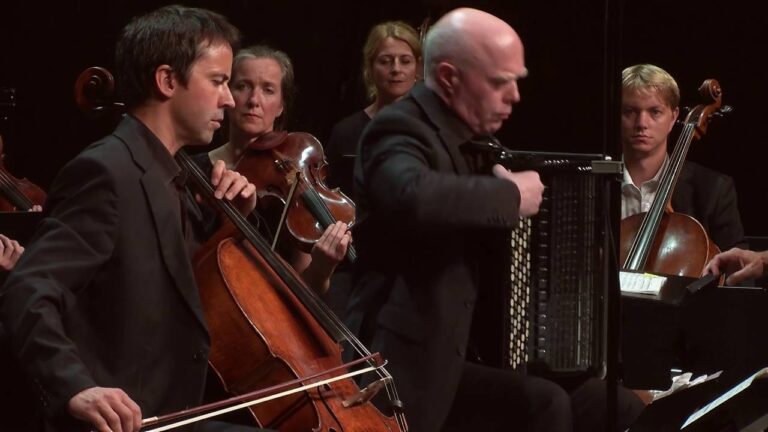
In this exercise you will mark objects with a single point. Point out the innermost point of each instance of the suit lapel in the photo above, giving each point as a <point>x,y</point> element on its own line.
<point>164,217</point>
<point>450,129</point>
<point>171,239</point>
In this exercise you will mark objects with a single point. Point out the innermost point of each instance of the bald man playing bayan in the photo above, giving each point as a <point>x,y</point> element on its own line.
<point>414,301</point>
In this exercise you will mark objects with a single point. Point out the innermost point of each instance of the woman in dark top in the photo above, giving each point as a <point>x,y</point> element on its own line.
<point>391,65</point>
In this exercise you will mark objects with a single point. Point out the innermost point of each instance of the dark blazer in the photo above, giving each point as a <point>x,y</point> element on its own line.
<point>710,197</point>
<point>421,217</point>
<point>104,294</point>
<point>341,150</point>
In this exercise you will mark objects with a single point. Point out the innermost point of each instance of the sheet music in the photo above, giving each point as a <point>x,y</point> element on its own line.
<point>725,396</point>
<point>641,283</point>
<point>683,381</point>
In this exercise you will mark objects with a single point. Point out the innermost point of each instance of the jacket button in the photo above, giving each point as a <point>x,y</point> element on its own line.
<point>460,351</point>
<point>198,356</point>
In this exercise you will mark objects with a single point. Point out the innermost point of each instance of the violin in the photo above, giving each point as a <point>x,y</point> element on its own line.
<point>661,240</point>
<point>16,194</point>
<point>269,331</point>
<point>293,169</point>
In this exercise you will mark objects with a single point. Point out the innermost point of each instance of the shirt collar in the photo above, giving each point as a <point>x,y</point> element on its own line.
<point>653,182</point>
<point>170,171</point>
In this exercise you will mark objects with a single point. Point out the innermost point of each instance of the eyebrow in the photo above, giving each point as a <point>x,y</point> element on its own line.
<point>505,77</point>
<point>221,75</point>
<point>521,75</point>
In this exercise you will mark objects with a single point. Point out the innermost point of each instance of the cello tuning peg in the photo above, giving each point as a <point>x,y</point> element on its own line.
<point>721,112</point>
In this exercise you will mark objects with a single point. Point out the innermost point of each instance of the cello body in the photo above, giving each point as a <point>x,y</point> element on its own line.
<point>677,235</point>
<point>263,335</point>
<point>661,240</point>
<point>17,194</point>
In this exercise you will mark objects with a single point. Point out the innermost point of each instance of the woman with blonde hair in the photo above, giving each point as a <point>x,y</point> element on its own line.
<point>391,66</point>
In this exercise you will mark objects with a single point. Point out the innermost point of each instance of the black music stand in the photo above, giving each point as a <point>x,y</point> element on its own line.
<point>716,405</point>
<point>715,328</point>
<point>651,332</point>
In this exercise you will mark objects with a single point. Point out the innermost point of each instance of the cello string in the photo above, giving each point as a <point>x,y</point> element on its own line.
<point>310,298</point>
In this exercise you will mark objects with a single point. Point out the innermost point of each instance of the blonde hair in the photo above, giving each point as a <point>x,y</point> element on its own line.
<point>645,77</point>
<point>395,29</point>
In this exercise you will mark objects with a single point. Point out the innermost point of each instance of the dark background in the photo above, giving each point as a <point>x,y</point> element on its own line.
<point>44,46</point>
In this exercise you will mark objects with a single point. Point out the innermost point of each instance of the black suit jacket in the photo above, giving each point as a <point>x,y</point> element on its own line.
<point>421,217</point>
<point>104,294</point>
<point>710,197</point>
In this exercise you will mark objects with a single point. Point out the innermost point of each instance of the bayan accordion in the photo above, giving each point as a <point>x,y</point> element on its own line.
<point>542,307</point>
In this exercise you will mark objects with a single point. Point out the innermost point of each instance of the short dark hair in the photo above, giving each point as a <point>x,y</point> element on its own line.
<point>287,78</point>
<point>172,35</point>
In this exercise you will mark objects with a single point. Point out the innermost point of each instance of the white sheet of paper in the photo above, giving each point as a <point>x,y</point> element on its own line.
<point>641,283</point>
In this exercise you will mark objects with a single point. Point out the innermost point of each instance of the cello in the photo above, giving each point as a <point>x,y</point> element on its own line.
<point>267,327</point>
<point>16,194</point>
<point>661,240</point>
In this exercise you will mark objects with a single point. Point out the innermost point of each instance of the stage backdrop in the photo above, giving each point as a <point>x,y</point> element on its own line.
<point>45,45</point>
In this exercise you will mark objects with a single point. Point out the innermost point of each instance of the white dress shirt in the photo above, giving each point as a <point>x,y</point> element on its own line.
<point>637,200</point>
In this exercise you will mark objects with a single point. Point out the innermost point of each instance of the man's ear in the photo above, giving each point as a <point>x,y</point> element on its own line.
<point>675,113</point>
<point>447,77</point>
<point>165,81</point>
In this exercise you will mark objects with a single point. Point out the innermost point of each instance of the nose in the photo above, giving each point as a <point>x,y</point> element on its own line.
<point>397,66</point>
<point>254,99</point>
<point>228,100</point>
<point>641,120</point>
<point>512,95</point>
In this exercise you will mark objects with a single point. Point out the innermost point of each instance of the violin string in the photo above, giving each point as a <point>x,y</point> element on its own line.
<point>320,210</point>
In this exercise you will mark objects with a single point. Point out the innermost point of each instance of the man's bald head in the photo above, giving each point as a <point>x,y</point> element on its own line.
<point>468,36</point>
<point>470,54</point>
